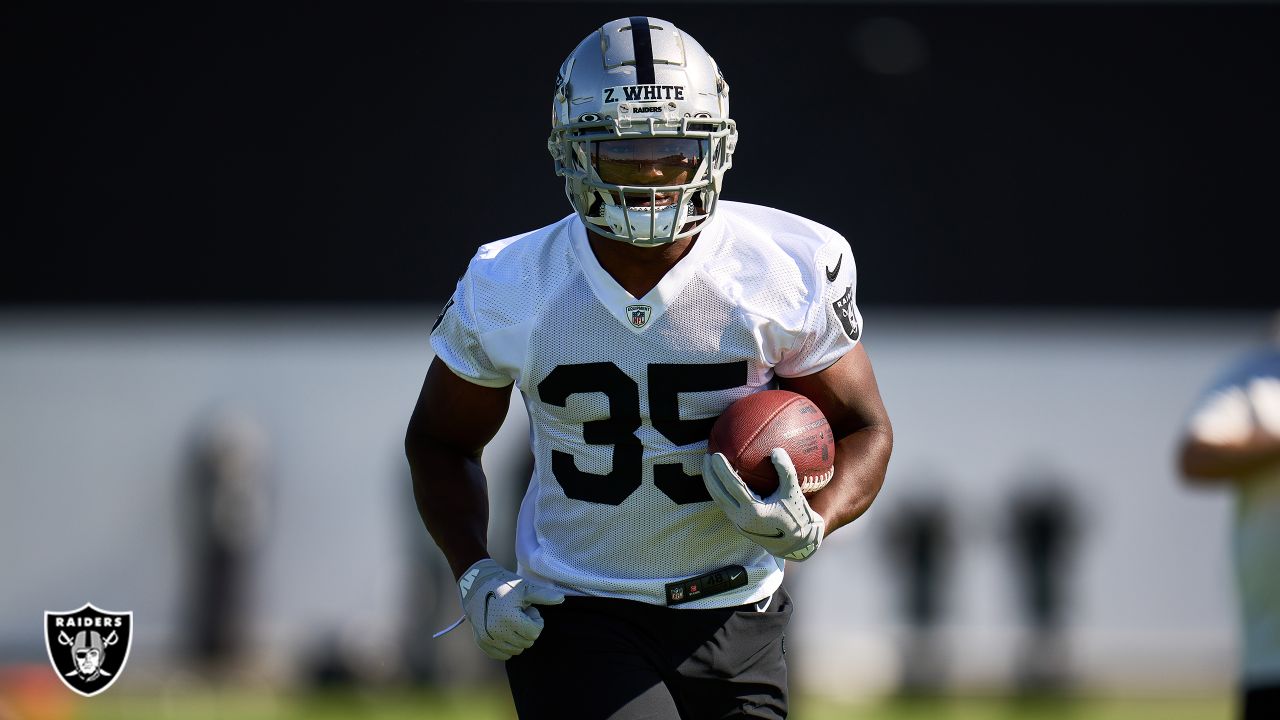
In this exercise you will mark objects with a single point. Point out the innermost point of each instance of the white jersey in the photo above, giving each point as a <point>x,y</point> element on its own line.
<point>622,391</point>
<point>1244,400</point>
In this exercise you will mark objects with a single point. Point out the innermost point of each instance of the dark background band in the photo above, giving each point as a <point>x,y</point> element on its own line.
<point>1008,154</point>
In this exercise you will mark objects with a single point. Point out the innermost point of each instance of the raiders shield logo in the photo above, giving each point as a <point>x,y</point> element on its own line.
<point>844,311</point>
<point>639,315</point>
<point>88,647</point>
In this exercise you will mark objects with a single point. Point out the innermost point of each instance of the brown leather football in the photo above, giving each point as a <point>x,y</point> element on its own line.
<point>749,430</point>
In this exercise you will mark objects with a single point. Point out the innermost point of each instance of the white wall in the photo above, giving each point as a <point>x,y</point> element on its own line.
<point>1097,399</point>
<point>96,410</point>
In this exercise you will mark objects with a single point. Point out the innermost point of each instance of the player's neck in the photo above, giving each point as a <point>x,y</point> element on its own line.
<point>638,269</point>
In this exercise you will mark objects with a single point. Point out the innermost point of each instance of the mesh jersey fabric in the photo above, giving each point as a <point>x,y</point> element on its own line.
<point>621,391</point>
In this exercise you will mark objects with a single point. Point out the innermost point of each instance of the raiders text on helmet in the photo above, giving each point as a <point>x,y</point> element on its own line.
<point>641,77</point>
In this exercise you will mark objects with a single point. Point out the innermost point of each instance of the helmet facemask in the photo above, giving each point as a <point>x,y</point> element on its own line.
<point>639,213</point>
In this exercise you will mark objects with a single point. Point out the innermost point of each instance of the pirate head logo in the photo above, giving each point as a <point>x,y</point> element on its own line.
<point>639,315</point>
<point>88,647</point>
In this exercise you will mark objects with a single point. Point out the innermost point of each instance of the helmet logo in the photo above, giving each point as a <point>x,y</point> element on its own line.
<point>639,315</point>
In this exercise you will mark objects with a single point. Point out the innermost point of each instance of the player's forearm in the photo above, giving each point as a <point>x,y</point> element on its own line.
<point>1201,460</point>
<point>452,497</point>
<point>862,458</point>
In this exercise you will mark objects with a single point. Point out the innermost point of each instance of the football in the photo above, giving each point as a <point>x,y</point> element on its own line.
<point>749,430</point>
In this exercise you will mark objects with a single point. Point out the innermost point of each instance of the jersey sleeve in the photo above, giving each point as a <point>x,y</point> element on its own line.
<point>832,324</point>
<point>456,339</point>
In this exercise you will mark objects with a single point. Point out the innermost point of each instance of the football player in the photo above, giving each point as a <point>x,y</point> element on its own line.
<point>648,578</point>
<point>1232,439</point>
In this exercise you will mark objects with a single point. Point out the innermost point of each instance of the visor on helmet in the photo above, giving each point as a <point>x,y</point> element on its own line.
<point>651,161</point>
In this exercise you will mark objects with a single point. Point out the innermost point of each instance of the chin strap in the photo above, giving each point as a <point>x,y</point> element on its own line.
<point>665,222</point>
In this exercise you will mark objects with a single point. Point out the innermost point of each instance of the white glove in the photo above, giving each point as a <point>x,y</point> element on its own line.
<point>782,523</point>
<point>497,602</point>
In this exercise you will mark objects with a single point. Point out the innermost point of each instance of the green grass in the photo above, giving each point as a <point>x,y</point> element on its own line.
<point>494,704</point>
<point>1004,708</point>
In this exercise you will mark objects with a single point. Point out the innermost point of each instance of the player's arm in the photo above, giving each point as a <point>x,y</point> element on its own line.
<point>451,424</point>
<point>847,393</point>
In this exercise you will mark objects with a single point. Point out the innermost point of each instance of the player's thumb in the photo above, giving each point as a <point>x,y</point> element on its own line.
<point>542,595</point>
<point>788,482</point>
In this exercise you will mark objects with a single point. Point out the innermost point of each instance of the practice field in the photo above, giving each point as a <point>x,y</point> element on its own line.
<point>494,705</point>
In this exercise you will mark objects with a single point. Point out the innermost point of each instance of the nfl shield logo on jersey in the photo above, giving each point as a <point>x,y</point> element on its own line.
<point>639,314</point>
<point>88,647</point>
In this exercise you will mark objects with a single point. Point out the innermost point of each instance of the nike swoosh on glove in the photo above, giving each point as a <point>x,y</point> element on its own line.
<point>782,523</point>
<point>499,605</point>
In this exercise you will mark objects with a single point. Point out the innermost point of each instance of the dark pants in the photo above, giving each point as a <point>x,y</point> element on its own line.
<point>601,658</point>
<point>1261,702</point>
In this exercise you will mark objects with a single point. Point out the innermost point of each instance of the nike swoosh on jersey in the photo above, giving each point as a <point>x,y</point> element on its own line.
<point>832,274</point>
<point>778,535</point>
<point>449,304</point>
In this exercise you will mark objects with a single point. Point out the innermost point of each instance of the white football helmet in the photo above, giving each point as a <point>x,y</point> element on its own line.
<point>641,77</point>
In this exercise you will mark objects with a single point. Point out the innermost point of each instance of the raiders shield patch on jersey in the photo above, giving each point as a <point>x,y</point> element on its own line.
<point>844,311</point>
<point>88,647</point>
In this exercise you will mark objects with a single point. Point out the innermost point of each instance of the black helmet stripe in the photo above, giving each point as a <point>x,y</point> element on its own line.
<point>643,44</point>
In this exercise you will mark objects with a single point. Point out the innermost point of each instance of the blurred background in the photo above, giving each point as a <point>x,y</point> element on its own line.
<point>229,228</point>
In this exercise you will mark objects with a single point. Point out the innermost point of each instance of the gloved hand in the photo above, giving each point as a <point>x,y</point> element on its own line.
<point>782,523</point>
<point>498,603</point>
